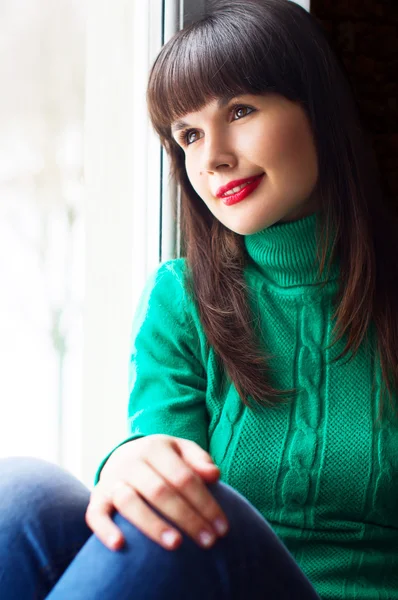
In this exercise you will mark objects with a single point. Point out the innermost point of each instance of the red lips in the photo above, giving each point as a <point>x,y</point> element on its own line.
<point>229,186</point>
<point>252,184</point>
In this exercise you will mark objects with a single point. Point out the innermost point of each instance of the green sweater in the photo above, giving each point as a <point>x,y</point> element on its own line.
<point>320,469</point>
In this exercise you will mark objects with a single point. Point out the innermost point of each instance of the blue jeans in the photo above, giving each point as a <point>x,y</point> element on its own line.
<point>48,551</point>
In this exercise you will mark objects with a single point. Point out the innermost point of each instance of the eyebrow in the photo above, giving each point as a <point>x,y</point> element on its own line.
<point>221,103</point>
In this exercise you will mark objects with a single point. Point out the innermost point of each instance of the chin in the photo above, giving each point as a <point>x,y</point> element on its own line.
<point>251,229</point>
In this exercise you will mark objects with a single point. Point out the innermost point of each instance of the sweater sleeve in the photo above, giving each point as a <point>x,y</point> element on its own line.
<point>167,379</point>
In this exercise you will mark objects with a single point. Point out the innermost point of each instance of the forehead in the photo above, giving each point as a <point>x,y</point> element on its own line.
<point>219,102</point>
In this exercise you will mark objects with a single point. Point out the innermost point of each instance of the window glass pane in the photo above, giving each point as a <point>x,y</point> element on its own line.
<point>41,223</point>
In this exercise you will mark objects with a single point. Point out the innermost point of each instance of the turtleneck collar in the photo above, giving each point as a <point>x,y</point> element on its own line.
<point>286,253</point>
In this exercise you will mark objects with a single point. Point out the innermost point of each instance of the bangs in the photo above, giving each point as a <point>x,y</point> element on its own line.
<point>224,55</point>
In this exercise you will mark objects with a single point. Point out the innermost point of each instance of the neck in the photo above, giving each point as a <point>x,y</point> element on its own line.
<point>286,253</point>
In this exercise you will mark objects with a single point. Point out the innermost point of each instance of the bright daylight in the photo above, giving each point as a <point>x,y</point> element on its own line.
<point>42,69</point>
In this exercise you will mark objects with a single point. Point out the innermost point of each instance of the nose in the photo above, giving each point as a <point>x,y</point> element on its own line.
<point>218,153</point>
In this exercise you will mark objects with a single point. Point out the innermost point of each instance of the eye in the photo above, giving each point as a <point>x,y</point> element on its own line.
<point>242,111</point>
<point>190,136</point>
<point>187,137</point>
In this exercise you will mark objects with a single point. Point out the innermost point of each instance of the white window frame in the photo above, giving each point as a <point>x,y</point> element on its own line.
<point>304,3</point>
<point>124,210</point>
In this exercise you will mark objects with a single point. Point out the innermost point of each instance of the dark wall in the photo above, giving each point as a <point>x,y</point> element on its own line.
<point>365,35</point>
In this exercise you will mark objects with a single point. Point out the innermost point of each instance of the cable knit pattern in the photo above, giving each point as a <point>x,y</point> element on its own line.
<point>319,467</point>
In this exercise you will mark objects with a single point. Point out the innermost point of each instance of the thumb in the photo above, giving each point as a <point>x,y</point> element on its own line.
<point>197,458</point>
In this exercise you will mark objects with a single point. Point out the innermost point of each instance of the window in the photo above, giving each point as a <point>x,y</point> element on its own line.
<point>41,223</point>
<point>128,220</point>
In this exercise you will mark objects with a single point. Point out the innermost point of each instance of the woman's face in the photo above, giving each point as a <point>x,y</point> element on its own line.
<point>265,139</point>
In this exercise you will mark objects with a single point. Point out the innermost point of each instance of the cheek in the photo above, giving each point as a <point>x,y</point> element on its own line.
<point>301,146</point>
<point>193,173</point>
<point>298,144</point>
<point>284,142</point>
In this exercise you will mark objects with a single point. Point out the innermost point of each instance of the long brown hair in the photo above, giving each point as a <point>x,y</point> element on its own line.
<point>255,47</point>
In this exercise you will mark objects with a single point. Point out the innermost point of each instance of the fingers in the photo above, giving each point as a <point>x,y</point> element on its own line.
<point>195,456</point>
<point>159,476</point>
<point>130,505</point>
<point>170,503</point>
<point>99,520</point>
<point>191,489</point>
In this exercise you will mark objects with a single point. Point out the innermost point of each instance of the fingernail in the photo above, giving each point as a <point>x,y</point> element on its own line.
<point>169,537</point>
<point>206,538</point>
<point>220,526</point>
<point>113,540</point>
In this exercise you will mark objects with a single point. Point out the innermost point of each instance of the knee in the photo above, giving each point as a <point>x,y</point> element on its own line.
<point>30,477</point>
<point>245,522</point>
<point>28,486</point>
<point>235,505</point>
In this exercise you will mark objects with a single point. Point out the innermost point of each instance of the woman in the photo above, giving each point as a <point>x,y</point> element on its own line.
<point>264,364</point>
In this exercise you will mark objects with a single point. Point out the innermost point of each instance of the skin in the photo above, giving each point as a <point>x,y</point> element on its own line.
<point>234,141</point>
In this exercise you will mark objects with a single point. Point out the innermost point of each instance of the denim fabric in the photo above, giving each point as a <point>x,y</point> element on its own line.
<point>47,550</point>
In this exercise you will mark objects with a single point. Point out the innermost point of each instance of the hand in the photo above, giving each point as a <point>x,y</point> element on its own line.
<point>171,474</point>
